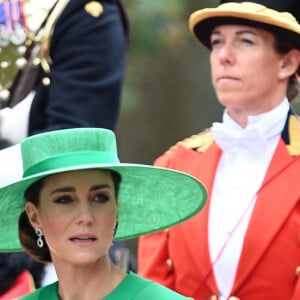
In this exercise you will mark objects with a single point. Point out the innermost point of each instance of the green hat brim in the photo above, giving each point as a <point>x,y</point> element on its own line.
<point>156,207</point>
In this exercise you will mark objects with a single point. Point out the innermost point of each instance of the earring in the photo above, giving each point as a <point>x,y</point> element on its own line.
<point>39,233</point>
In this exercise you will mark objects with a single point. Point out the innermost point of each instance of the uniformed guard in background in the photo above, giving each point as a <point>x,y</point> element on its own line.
<point>62,65</point>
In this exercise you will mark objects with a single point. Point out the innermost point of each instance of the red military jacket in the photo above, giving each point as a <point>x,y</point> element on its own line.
<point>269,265</point>
<point>24,284</point>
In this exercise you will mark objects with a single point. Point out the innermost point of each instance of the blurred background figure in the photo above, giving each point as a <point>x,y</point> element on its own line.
<point>69,70</point>
<point>19,275</point>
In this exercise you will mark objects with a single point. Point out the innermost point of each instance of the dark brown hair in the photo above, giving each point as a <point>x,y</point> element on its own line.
<point>283,46</point>
<point>27,233</point>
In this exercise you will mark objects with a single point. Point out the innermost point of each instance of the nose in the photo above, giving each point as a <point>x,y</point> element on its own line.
<point>84,213</point>
<point>225,54</point>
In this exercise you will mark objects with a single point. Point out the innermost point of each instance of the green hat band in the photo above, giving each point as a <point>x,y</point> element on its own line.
<point>71,159</point>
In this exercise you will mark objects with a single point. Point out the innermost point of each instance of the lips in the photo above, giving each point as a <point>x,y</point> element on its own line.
<point>226,78</point>
<point>83,238</point>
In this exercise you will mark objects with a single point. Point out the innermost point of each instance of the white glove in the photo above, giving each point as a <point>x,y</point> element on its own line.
<point>10,165</point>
<point>14,121</point>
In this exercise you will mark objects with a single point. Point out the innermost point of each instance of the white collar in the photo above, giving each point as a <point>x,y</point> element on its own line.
<point>271,123</point>
<point>259,130</point>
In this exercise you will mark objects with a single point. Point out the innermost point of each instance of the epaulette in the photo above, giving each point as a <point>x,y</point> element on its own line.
<point>294,135</point>
<point>198,142</point>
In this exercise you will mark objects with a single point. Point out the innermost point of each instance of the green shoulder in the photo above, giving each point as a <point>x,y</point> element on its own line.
<point>32,296</point>
<point>48,292</point>
<point>149,290</point>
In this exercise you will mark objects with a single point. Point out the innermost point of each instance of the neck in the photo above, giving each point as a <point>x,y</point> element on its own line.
<point>88,282</point>
<point>241,115</point>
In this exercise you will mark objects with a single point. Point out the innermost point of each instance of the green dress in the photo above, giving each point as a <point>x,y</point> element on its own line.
<point>132,287</point>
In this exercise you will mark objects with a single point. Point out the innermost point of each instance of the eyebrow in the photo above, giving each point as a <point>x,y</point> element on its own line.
<point>72,189</point>
<point>243,31</point>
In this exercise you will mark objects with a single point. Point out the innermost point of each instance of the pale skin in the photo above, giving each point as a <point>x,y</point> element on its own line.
<point>78,213</point>
<point>248,75</point>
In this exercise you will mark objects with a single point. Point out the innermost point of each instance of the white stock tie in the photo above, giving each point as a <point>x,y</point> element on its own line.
<point>227,138</point>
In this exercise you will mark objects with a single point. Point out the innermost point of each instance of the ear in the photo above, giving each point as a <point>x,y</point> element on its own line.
<point>33,215</point>
<point>289,64</point>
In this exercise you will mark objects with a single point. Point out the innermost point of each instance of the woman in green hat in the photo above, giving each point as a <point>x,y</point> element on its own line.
<point>75,198</point>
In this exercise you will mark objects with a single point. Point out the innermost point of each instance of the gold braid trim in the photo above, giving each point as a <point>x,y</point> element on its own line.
<point>202,141</point>
<point>48,30</point>
<point>198,142</point>
<point>294,135</point>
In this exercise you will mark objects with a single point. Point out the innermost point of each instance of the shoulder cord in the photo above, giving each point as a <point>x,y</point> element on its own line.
<point>210,271</point>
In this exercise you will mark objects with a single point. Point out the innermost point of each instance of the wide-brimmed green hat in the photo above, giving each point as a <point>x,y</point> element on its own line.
<point>281,22</point>
<point>150,198</point>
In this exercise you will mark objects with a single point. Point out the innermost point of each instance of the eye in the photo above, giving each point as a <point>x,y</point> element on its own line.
<point>215,42</point>
<point>64,199</point>
<point>247,41</point>
<point>101,197</point>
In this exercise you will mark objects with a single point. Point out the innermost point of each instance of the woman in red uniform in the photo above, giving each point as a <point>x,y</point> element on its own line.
<point>245,243</point>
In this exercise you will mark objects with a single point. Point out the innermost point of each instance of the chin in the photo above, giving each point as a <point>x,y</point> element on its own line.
<point>83,259</point>
<point>228,102</point>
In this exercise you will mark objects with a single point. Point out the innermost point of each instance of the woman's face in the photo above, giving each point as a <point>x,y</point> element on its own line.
<point>246,70</point>
<point>77,213</point>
